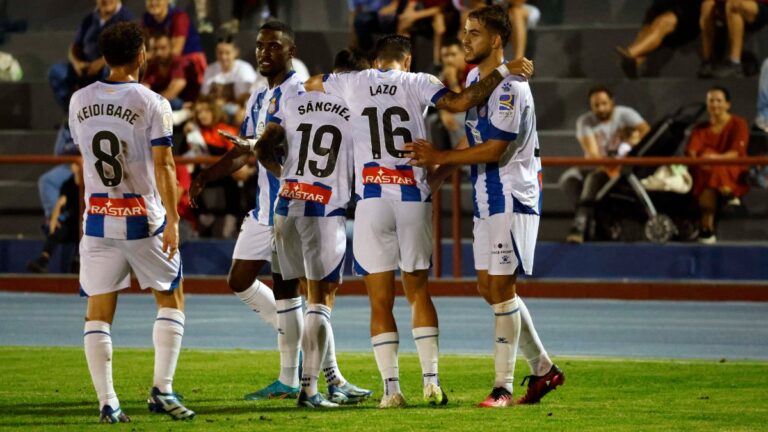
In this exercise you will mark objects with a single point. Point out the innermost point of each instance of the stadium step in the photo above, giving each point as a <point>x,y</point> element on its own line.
<point>23,141</point>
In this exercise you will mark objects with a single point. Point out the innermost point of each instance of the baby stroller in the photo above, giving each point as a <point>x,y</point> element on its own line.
<point>626,211</point>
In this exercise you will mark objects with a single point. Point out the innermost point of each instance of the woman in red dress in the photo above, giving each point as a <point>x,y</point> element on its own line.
<point>723,136</point>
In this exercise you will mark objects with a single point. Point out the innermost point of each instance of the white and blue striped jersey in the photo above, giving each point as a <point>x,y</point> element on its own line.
<point>388,111</point>
<point>513,184</point>
<point>317,171</point>
<point>115,126</point>
<point>262,105</point>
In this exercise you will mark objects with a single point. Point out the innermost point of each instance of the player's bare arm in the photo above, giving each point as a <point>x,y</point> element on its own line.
<point>233,160</point>
<point>423,154</point>
<point>265,147</point>
<point>165,177</point>
<point>478,92</point>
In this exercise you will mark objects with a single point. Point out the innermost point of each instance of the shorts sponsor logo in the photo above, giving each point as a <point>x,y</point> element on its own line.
<point>382,175</point>
<point>118,207</point>
<point>504,253</point>
<point>305,192</point>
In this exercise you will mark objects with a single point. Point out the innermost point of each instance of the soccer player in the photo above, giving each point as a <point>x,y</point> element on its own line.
<point>131,223</point>
<point>393,222</point>
<point>281,307</point>
<point>503,151</point>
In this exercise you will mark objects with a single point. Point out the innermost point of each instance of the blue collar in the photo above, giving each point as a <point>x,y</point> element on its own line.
<point>105,81</point>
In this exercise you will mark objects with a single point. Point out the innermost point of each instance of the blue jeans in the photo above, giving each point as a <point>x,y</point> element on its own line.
<point>64,81</point>
<point>49,186</point>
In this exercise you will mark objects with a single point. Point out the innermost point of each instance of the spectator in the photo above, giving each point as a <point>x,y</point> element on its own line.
<point>608,130</point>
<point>64,223</point>
<point>86,64</point>
<point>522,16</point>
<point>225,196</point>
<point>229,80</point>
<point>373,16</point>
<point>161,18</point>
<point>723,136</point>
<point>454,76</point>
<point>204,25</point>
<point>267,12</point>
<point>49,184</point>
<point>739,15</point>
<point>761,120</point>
<point>170,75</point>
<point>433,14</point>
<point>671,22</point>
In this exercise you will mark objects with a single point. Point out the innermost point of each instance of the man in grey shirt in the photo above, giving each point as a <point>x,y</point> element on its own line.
<point>607,130</point>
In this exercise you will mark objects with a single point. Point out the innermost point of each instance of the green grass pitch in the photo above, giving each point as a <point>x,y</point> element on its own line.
<point>50,389</point>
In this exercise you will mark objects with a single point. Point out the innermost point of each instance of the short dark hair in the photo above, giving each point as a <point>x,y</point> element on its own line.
<point>722,89</point>
<point>120,43</point>
<point>496,19</point>
<point>393,47</point>
<point>350,59</point>
<point>599,89</point>
<point>450,41</point>
<point>227,39</point>
<point>279,26</point>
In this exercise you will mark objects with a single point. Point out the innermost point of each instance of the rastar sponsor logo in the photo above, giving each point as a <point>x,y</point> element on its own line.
<point>305,192</point>
<point>382,175</point>
<point>120,207</point>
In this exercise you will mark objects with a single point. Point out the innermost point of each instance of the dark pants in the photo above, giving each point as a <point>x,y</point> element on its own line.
<point>593,183</point>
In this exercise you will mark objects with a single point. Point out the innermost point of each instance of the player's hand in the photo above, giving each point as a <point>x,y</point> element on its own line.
<point>171,239</point>
<point>238,141</point>
<point>197,186</point>
<point>521,66</point>
<point>53,226</point>
<point>422,153</point>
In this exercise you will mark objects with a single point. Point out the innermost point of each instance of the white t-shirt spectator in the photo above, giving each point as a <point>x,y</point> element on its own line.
<point>608,134</point>
<point>228,85</point>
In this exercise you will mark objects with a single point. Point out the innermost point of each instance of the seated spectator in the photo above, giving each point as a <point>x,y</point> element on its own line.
<point>161,18</point>
<point>64,223</point>
<point>170,75</point>
<point>224,198</point>
<point>229,80</point>
<point>49,184</point>
<point>454,76</point>
<point>607,130</point>
<point>523,16</point>
<point>368,17</point>
<point>430,12</point>
<point>761,120</point>
<point>669,22</point>
<point>86,65</point>
<point>739,15</point>
<point>723,136</point>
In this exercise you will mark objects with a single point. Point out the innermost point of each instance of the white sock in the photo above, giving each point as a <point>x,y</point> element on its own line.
<point>385,347</point>
<point>426,345</point>
<point>290,327</point>
<point>330,366</point>
<point>166,335</point>
<point>507,335</point>
<point>261,300</point>
<point>530,344</point>
<point>315,345</point>
<point>97,340</point>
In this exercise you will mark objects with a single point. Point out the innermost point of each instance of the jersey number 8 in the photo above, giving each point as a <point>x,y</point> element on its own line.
<point>107,166</point>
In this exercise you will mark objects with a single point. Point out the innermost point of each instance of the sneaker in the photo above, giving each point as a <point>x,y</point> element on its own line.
<point>168,403</point>
<point>575,236</point>
<point>707,237</point>
<point>38,265</point>
<point>109,415</point>
<point>539,386</point>
<point>627,62</point>
<point>316,401</point>
<point>435,395</point>
<point>347,393</point>
<point>499,398</point>
<point>276,390</point>
<point>393,401</point>
<point>729,70</point>
<point>706,70</point>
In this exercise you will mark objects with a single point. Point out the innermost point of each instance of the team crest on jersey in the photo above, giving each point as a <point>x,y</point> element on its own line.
<point>118,207</point>
<point>272,105</point>
<point>259,130</point>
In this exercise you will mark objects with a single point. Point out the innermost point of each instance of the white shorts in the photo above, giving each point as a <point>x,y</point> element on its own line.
<point>505,242</point>
<point>255,241</point>
<point>390,234</point>
<point>311,247</point>
<point>106,264</point>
